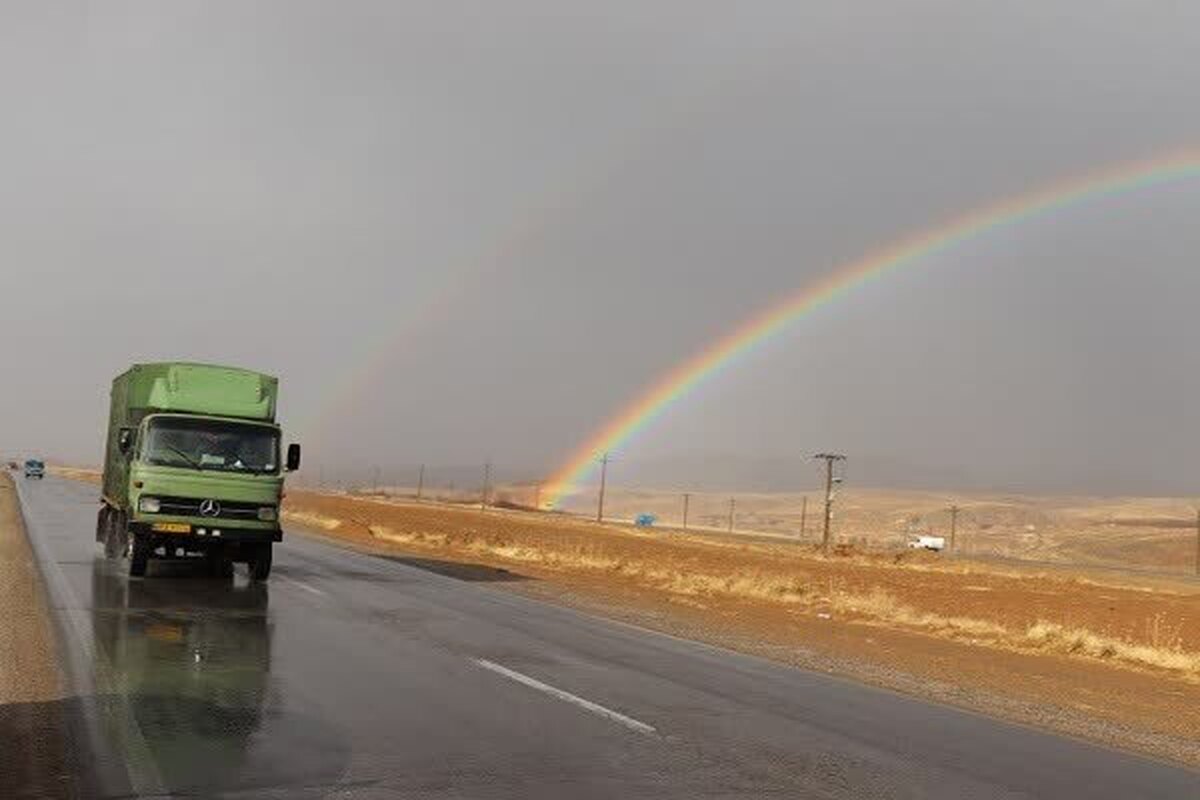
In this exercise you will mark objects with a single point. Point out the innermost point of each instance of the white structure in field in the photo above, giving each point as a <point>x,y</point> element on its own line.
<point>928,543</point>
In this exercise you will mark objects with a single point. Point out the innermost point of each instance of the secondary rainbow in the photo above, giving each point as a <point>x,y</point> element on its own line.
<point>682,379</point>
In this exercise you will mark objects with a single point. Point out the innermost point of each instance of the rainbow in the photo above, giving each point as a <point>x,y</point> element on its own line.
<point>684,377</point>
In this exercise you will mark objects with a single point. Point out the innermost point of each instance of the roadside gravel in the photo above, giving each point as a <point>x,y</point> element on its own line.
<point>37,757</point>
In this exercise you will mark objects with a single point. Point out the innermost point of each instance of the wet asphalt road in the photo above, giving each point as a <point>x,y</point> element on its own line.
<point>351,675</point>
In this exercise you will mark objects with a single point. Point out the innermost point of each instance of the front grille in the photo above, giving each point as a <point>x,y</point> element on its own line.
<point>190,507</point>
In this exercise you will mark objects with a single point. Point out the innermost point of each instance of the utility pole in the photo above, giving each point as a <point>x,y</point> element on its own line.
<point>1198,541</point>
<point>829,459</point>
<point>953,509</point>
<point>686,499</point>
<point>803,516</point>
<point>420,481</point>
<point>732,502</point>
<point>603,481</point>
<point>487,484</point>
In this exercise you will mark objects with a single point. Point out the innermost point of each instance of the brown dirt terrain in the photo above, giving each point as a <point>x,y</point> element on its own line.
<point>1111,657</point>
<point>1107,654</point>
<point>1156,533</point>
<point>37,758</point>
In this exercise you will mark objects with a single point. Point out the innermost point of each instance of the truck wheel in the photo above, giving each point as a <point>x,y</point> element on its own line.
<point>260,562</point>
<point>220,565</point>
<point>139,556</point>
<point>114,544</point>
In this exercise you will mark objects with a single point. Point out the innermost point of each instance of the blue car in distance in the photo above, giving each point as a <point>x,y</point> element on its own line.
<point>35,468</point>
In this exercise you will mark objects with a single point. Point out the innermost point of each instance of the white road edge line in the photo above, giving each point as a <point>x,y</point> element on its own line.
<point>587,705</point>
<point>303,585</point>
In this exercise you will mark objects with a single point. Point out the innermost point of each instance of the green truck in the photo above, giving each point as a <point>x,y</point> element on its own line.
<point>192,467</point>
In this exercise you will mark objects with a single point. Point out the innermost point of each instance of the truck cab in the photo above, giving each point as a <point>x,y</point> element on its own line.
<point>195,467</point>
<point>35,468</point>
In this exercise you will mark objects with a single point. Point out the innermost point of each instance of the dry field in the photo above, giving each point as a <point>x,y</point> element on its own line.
<point>1108,655</point>
<point>1105,653</point>
<point>1149,532</point>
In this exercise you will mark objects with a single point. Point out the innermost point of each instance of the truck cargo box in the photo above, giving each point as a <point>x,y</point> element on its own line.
<point>182,388</point>
<point>200,389</point>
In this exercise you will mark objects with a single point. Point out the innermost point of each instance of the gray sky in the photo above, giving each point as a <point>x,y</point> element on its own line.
<point>462,230</point>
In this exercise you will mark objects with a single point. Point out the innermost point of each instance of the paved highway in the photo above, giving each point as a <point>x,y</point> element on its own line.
<point>358,676</point>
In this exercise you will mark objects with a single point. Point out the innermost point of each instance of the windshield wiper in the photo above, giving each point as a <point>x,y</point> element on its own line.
<point>190,461</point>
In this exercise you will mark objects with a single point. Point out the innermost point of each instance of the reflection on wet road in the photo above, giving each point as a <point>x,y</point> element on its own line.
<point>183,688</point>
<point>352,675</point>
<point>191,660</point>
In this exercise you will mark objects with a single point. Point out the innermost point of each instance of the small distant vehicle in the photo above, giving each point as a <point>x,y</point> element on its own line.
<point>35,468</point>
<point>645,520</point>
<point>935,543</point>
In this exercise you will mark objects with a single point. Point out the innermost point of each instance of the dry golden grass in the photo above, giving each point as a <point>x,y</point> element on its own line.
<point>779,578</point>
<point>311,520</point>
<point>85,474</point>
<point>788,585</point>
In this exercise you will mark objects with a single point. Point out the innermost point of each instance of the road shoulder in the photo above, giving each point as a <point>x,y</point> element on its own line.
<point>37,757</point>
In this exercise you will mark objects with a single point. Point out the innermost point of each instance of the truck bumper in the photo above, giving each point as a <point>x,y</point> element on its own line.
<point>204,535</point>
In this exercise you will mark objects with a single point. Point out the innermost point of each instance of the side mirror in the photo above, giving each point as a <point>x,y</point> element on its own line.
<point>293,457</point>
<point>125,439</point>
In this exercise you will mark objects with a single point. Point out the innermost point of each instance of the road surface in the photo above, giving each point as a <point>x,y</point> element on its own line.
<point>351,675</point>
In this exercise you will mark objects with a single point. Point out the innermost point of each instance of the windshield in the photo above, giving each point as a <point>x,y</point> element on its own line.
<point>211,445</point>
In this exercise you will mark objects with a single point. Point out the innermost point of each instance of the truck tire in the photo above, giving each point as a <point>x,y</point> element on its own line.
<point>259,563</point>
<point>139,556</point>
<point>114,543</point>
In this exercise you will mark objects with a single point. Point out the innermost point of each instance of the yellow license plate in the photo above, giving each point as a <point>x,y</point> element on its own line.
<point>172,527</point>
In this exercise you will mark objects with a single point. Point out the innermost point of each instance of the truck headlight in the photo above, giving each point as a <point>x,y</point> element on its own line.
<point>268,514</point>
<point>149,505</point>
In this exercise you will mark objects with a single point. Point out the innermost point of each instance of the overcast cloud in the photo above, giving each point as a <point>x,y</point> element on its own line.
<point>470,230</point>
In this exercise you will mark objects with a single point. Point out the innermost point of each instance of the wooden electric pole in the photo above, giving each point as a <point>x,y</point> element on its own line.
<point>603,480</point>
<point>487,485</point>
<point>732,502</point>
<point>803,516</point>
<point>953,509</point>
<point>420,481</point>
<point>829,459</point>
<point>686,499</point>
